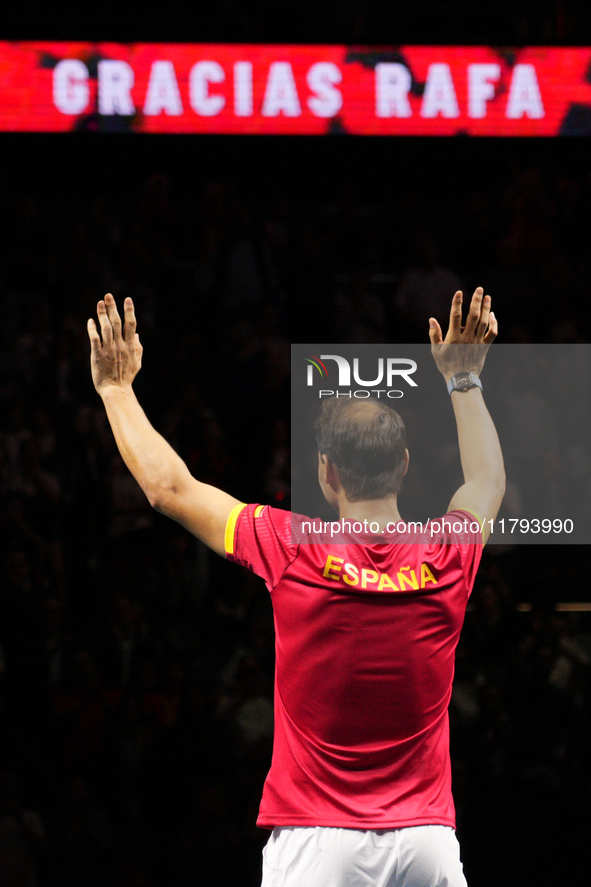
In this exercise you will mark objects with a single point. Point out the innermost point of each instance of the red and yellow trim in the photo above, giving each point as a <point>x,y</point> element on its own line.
<point>231,527</point>
<point>478,518</point>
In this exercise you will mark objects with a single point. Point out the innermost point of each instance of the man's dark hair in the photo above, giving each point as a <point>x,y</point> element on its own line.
<point>366,440</point>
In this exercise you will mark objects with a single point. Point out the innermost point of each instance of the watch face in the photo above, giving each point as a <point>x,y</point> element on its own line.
<point>462,379</point>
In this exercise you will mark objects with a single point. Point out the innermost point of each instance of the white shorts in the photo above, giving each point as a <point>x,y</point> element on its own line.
<point>418,856</point>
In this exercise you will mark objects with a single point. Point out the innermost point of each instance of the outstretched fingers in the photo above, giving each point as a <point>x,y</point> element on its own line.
<point>455,315</point>
<point>435,333</point>
<point>493,329</point>
<point>113,315</point>
<point>483,320</point>
<point>105,324</point>
<point>95,339</point>
<point>473,319</point>
<point>129,333</point>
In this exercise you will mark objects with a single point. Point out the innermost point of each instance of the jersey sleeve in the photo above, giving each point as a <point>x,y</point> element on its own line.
<point>259,538</point>
<point>469,542</point>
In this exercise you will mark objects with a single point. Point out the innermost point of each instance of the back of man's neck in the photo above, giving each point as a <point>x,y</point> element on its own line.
<point>380,511</point>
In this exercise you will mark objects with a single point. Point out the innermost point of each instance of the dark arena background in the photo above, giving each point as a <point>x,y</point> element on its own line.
<point>136,668</point>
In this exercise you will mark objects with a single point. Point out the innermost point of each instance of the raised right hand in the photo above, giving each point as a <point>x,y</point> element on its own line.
<point>116,360</point>
<point>475,338</point>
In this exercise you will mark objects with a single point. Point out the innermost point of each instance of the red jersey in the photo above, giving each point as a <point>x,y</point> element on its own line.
<point>365,643</point>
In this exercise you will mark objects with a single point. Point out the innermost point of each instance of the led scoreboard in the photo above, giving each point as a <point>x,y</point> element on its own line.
<point>313,90</point>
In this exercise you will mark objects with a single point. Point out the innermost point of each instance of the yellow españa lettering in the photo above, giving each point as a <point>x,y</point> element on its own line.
<point>427,576</point>
<point>412,579</point>
<point>369,577</point>
<point>336,569</point>
<point>332,563</point>
<point>386,582</point>
<point>351,574</point>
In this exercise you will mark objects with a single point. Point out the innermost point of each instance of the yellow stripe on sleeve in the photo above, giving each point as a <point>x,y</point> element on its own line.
<point>258,510</point>
<point>478,518</point>
<point>231,527</point>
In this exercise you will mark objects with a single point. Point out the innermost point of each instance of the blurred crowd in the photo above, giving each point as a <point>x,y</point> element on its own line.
<point>136,668</point>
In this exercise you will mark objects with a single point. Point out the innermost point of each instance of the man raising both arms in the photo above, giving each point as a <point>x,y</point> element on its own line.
<point>359,790</point>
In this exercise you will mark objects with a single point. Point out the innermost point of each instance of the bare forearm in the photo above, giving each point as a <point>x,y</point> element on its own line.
<point>115,360</point>
<point>464,350</point>
<point>480,450</point>
<point>158,470</point>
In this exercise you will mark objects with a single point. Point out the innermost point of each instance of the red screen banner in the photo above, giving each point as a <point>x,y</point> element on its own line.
<point>311,90</point>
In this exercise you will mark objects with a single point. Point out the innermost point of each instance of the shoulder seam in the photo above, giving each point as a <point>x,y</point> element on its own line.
<point>478,519</point>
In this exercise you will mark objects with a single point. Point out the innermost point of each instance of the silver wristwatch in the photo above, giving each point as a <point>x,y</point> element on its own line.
<point>463,382</point>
